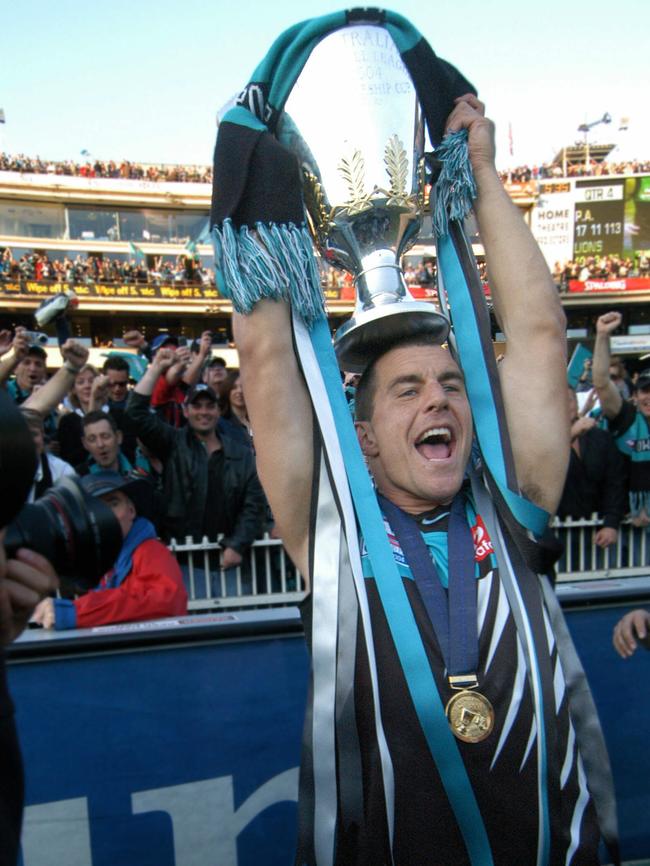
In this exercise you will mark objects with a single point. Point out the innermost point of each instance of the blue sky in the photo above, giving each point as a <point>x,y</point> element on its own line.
<point>142,80</point>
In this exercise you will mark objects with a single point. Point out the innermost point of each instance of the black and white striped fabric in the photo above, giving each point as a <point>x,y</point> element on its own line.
<point>504,769</point>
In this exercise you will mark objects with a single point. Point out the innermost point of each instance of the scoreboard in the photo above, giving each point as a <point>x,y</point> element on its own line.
<point>599,217</point>
<point>580,218</point>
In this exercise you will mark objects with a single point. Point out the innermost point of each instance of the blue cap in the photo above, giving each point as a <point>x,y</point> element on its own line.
<point>137,488</point>
<point>163,340</point>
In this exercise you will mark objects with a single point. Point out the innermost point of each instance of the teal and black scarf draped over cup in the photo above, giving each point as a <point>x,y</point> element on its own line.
<point>263,250</point>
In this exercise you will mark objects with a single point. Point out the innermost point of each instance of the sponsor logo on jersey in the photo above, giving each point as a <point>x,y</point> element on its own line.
<point>482,542</point>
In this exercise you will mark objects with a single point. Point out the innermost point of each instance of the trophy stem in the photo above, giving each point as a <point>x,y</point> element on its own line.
<point>380,281</point>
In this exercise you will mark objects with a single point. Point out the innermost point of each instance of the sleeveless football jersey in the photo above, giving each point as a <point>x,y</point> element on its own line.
<point>502,769</point>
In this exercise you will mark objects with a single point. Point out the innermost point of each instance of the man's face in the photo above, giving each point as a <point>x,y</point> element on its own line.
<point>103,444</point>
<point>419,438</point>
<point>122,508</point>
<point>202,415</point>
<point>118,385</point>
<point>214,376</point>
<point>643,401</point>
<point>30,372</point>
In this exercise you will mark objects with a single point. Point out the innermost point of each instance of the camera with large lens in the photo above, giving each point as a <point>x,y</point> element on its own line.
<point>78,533</point>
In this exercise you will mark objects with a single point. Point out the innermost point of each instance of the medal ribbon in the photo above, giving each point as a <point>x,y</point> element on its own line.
<point>453,615</point>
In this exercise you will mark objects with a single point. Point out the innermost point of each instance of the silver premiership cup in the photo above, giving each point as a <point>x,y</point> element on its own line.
<point>354,121</point>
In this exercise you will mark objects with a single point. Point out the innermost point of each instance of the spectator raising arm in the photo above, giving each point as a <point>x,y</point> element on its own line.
<point>193,371</point>
<point>6,341</point>
<point>19,347</point>
<point>154,433</point>
<point>608,394</point>
<point>48,397</point>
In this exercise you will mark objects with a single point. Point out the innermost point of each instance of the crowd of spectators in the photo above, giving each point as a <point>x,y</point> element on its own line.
<point>127,170</point>
<point>611,267</point>
<point>177,424</point>
<point>526,174</point>
<point>184,269</point>
<point>180,427</point>
<point>124,170</point>
<point>91,269</point>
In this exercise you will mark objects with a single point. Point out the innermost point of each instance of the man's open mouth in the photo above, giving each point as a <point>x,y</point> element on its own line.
<point>436,443</point>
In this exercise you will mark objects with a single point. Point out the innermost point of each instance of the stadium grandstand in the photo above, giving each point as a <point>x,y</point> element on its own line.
<point>133,242</point>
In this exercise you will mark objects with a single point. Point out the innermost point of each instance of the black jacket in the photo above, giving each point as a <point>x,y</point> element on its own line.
<point>596,481</point>
<point>185,480</point>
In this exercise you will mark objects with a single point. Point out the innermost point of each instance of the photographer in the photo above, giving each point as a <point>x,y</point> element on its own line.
<point>24,581</point>
<point>25,578</point>
<point>145,581</point>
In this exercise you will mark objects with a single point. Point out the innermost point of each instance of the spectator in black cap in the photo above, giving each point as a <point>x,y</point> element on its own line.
<point>215,373</point>
<point>209,480</point>
<point>145,582</point>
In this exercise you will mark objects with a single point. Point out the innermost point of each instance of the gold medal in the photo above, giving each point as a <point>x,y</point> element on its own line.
<point>470,716</point>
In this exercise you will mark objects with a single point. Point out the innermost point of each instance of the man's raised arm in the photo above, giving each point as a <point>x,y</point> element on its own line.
<point>608,394</point>
<point>281,419</point>
<point>527,306</point>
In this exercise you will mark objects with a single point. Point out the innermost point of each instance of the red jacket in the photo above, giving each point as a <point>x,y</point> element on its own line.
<point>151,590</point>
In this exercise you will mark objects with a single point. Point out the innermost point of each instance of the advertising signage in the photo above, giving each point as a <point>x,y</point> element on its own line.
<point>119,291</point>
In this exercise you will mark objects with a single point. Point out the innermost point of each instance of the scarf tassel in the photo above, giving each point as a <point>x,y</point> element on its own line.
<point>279,264</point>
<point>455,188</point>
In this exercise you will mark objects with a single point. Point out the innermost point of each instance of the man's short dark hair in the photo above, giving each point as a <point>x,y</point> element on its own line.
<point>96,416</point>
<point>117,363</point>
<point>38,351</point>
<point>364,396</point>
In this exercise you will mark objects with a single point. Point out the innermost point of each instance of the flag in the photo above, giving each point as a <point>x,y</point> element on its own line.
<point>85,152</point>
<point>136,252</point>
<point>510,142</point>
<point>2,115</point>
<point>576,366</point>
<point>190,247</point>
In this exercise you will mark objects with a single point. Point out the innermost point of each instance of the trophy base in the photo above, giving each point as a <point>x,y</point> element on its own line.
<point>371,332</point>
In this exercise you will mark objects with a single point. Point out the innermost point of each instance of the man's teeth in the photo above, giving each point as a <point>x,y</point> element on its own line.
<point>437,433</point>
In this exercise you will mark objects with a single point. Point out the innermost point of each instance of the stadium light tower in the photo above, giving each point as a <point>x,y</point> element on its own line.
<point>586,128</point>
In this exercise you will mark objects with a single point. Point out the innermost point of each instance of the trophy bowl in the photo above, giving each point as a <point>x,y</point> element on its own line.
<point>354,121</point>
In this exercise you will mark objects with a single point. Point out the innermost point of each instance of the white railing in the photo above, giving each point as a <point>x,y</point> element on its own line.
<point>584,560</point>
<point>268,577</point>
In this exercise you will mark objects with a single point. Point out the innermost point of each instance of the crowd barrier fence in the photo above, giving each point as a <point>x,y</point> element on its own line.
<point>267,576</point>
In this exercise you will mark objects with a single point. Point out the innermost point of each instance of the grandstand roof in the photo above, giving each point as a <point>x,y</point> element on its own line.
<point>576,154</point>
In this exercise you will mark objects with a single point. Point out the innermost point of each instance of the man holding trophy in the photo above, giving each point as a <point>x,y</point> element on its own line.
<point>439,729</point>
